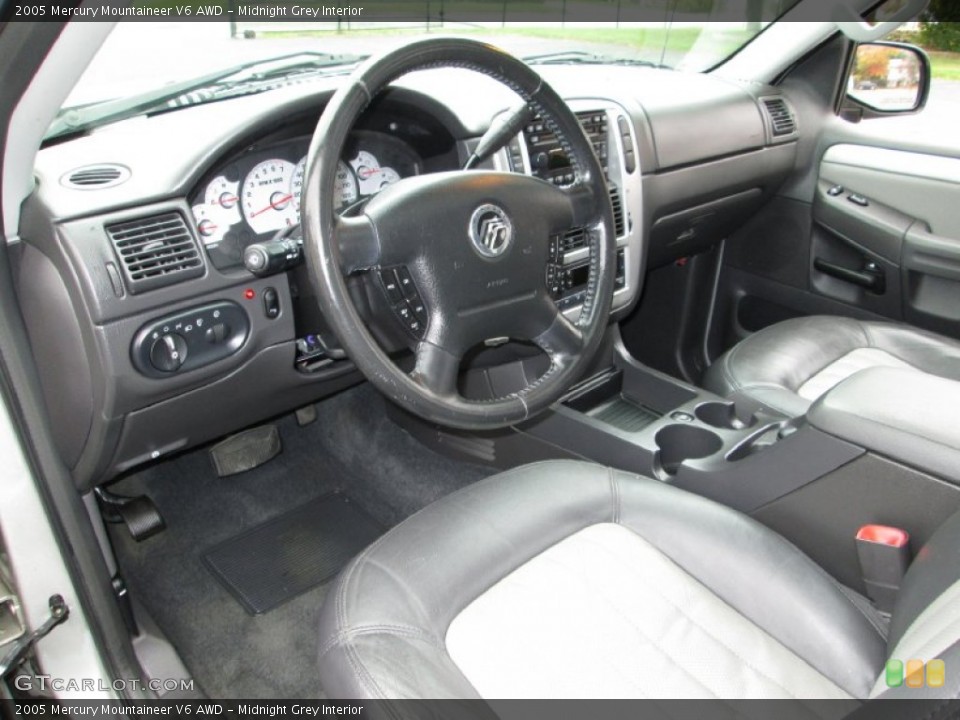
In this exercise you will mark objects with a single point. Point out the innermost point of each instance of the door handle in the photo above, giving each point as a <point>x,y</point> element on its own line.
<point>871,278</point>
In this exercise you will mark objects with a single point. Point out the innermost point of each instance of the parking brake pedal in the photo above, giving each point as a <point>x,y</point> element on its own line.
<point>139,514</point>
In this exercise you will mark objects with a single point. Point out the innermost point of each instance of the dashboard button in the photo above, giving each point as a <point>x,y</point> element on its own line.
<point>271,303</point>
<point>216,333</point>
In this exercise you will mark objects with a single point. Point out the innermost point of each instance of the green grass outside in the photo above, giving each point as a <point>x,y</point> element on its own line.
<point>945,65</point>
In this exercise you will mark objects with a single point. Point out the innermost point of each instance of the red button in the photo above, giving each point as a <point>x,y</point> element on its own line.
<point>883,535</point>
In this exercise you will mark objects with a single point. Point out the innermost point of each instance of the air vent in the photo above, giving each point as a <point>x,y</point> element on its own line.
<point>96,177</point>
<point>618,219</point>
<point>782,122</point>
<point>155,251</point>
<point>573,239</point>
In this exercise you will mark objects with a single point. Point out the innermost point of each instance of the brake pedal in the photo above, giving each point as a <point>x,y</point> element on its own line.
<point>139,513</point>
<point>245,451</point>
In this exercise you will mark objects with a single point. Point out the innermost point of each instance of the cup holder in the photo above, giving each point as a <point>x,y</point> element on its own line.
<point>676,443</point>
<point>723,415</point>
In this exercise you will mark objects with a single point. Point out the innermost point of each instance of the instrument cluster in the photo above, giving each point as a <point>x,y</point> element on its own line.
<point>254,196</point>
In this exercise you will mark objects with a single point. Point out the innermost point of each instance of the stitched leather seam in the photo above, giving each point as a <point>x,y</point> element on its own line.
<point>403,631</point>
<point>720,643</point>
<point>615,495</point>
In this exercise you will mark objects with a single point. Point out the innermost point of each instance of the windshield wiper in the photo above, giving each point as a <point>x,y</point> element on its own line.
<point>244,79</point>
<point>580,57</point>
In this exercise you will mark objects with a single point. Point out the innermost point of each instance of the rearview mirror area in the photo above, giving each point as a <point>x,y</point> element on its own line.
<point>889,78</point>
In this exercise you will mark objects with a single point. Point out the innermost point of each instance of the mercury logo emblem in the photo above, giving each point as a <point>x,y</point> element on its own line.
<point>490,231</point>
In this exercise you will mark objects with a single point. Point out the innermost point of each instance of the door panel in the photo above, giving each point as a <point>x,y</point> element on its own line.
<point>925,187</point>
<point>889,242</point>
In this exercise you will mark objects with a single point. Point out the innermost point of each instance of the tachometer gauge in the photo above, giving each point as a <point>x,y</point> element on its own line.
<point>267,197</point>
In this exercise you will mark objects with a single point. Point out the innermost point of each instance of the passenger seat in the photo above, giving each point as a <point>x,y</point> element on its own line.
<point>789,365</point>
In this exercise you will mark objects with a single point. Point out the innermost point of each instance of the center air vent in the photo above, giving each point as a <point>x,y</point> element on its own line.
<point>782,121</point>
<point>96,177</point>
<point>618,219</point>
<point>155,251</point>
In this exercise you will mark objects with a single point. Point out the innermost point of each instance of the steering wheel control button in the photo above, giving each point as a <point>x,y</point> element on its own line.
<point>168,353</point>
<point>490,231</point>
<point>405,300</point>
<point>271,303</point>
<point>189,339</point>
<point>391,286</point>
<point>407,287</point>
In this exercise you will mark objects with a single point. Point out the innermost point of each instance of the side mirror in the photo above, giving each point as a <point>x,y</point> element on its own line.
<point>888,79</point>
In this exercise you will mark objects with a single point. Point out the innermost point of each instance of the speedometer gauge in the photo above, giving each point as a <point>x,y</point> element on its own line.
<point>345,190</point>
<point>267,196</point>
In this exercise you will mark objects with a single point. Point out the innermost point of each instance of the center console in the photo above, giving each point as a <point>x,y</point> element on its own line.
<point>739,453</point>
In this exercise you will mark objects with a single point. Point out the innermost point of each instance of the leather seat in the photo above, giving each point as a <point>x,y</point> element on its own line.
<point>789,365</point>
<point>567,579</point>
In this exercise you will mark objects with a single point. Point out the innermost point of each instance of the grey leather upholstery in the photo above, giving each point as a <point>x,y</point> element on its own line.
<point>384,624</point>
<point>909,416</point>
<point>772,365</point>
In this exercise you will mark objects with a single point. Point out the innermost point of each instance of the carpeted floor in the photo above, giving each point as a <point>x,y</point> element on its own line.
<point>352,448</point>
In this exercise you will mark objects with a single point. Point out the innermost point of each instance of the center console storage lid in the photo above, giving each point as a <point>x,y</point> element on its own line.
<point>899,413</point>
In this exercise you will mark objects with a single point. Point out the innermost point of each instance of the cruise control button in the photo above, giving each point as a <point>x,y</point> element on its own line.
<point>407,286</point>
<point>390,284</point>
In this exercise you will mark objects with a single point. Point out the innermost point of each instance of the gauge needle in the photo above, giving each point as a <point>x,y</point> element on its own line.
<point>273,205</point>
<point>229,199</point>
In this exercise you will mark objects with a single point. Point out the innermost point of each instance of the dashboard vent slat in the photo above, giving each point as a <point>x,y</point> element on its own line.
<point>618,217</point>
<point>155,251</point>
<point>782,121</point>
<point>574,239</point>
<point>96,177</point>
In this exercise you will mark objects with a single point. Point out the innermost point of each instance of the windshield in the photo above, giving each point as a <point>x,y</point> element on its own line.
<point>149,66</point>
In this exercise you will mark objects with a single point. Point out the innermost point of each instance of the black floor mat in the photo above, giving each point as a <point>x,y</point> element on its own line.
<point>352,448</point>
<point>284,557</point>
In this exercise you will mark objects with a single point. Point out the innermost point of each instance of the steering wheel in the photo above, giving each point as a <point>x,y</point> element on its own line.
<point>475,245</point>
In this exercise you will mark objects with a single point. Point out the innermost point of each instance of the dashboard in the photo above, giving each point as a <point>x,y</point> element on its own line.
<point>152,335</point>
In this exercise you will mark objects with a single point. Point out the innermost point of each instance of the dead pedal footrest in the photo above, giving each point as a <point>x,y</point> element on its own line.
<point>246,450</point>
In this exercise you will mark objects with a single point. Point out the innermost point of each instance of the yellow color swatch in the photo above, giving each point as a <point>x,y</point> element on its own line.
<point>936,673</point>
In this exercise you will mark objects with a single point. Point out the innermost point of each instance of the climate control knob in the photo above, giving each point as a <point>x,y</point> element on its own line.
<point>168,352</point>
